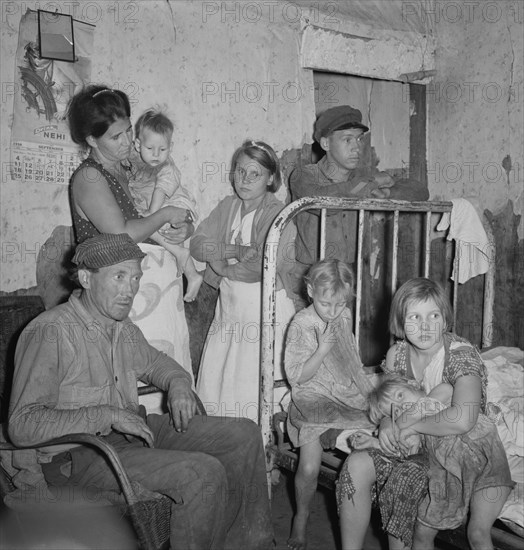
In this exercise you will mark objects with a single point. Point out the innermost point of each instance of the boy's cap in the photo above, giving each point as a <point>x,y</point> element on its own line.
<point>106,249</point>
<point>338,118</point>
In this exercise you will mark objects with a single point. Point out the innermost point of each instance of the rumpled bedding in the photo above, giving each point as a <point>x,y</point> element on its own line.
<point>505,366</point>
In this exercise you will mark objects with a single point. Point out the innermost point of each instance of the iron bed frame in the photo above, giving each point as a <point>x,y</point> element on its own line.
<point>280,453</point>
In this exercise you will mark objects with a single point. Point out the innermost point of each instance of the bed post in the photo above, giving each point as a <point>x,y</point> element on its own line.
<point>489,289</point>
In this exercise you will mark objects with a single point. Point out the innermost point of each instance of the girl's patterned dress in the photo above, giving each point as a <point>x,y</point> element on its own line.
<point>437,484</point>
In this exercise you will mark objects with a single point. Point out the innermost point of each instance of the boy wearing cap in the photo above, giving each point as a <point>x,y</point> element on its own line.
<point>340,133</point>
<point>76,370</point>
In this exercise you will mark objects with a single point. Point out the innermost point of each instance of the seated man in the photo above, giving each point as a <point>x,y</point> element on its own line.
<point>76,369</point>
<point>340,173</point>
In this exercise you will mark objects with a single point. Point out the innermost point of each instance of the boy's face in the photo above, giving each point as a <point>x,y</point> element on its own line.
<point>343,147</point>
<point>153,148</point>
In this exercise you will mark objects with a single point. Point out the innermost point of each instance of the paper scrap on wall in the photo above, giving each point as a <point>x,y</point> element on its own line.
<point>41,148</point>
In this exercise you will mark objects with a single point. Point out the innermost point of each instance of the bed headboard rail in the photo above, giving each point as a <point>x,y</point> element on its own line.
<point>361,206</point>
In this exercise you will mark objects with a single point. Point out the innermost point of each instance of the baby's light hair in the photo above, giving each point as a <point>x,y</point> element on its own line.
<point>332,275</point>
<point>155,121</point>
<point>419,289</point>
<point>384,394</point>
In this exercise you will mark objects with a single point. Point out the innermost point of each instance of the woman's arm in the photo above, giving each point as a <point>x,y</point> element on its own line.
<point>443,393</point>
<point>173,236</point>
<point>208,242</point>
<point>97,203</point>
<point>456,419</point>
<point>249,267</point>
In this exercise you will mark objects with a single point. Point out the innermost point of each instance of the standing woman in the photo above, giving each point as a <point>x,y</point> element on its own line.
<point>231,241</point>
<point>99,120</point>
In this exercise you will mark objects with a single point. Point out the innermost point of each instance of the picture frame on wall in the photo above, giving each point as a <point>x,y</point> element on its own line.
<point>56,36</point>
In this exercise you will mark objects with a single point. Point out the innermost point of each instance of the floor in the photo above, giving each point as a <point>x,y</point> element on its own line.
<point>323,531</point>
<point>104,531</point>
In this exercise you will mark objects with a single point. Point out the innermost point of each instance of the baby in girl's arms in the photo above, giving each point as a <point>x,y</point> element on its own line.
<point>155,182</point>
<point>395,395</point>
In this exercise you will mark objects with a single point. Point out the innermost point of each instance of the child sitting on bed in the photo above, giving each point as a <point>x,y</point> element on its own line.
<point>396,395</point>
<point>328,383</point>
<point>468,467</point>
<point>155,182</point>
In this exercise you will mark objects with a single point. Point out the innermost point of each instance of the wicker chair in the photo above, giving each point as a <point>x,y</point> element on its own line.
<point>150,518</point>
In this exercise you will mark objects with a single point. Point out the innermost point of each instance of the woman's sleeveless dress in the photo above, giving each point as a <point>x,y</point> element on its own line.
<point>158,307</point>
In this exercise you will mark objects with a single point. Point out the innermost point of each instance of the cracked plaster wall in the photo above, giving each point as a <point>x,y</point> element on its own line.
<point>475,113</point>
<point>222,76</point>
<point>226,76</point>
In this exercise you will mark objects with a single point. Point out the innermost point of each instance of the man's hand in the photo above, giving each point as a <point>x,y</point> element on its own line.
<point>182,404</point>
<point>328,439</point>
<point>129,423</point>
<point>381,193</point>
<point>383,181</point>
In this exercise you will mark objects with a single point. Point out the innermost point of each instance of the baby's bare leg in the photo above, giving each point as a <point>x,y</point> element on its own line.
<point>194,280</point>
<point>187,266</point>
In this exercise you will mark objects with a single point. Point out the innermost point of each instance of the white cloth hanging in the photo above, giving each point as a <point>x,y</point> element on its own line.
<point>472,244</point>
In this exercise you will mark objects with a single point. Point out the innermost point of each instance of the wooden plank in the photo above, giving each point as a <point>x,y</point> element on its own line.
<point>358,300</point>
<point>417,134</point>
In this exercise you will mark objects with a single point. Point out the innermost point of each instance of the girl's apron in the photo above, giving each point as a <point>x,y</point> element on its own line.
<point>228,380</point>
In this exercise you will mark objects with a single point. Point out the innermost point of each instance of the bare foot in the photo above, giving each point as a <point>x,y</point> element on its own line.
<point>193,286</point>
<point>297,539</point>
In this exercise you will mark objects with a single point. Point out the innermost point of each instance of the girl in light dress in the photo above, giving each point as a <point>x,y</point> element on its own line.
<point>231,242</point>
<point>328,384</point>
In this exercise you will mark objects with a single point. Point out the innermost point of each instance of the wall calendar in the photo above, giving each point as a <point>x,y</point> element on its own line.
<point>41,148</point>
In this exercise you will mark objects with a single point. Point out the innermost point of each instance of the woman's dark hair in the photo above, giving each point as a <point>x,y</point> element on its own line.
<point>265,156</point>
<point>92,110</point>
